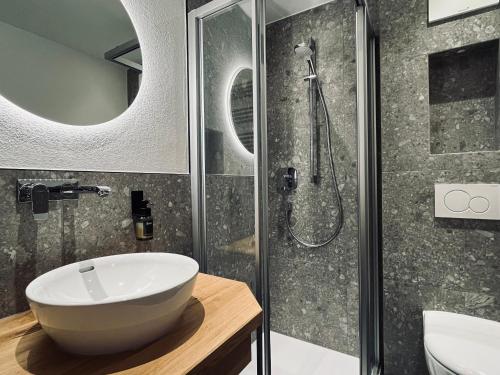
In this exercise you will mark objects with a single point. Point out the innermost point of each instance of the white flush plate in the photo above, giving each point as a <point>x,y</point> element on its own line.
<point>467,201</point>
<point>442,9</point>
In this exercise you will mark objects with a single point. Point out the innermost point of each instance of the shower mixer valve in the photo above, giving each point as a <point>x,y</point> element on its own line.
<point>290,179</point>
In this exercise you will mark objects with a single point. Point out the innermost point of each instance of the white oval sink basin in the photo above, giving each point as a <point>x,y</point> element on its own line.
<point>112,304</point>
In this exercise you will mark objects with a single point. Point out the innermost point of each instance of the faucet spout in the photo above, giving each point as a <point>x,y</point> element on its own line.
<point>101,191</point>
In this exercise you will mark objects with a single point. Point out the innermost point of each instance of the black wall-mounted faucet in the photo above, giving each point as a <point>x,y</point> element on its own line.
<point>40,201</point>
<point>39,192</point>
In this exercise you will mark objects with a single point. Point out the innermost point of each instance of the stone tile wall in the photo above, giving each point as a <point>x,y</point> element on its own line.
<point>230,227</point>
<point>314,295</point>
<point>87,228</point>
<point>429,263</point>
<point>462,97</point>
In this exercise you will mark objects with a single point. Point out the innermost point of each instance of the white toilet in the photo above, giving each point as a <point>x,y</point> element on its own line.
<point>458,344</point>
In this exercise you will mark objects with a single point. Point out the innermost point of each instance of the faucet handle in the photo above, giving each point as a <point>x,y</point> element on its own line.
<point>40,201</point>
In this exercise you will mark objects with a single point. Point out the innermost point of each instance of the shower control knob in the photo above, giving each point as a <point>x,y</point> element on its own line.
<point>290,179</point>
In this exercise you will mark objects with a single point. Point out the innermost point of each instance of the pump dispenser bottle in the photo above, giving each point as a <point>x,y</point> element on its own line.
<point>141,214</point>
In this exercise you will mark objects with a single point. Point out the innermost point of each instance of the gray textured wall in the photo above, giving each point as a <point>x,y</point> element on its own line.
<point>462,97</point>
<point>88,228</point>
<point>230,227</point>
<point>314,292</point>
<point>156,117</point>
<point>429,263</point>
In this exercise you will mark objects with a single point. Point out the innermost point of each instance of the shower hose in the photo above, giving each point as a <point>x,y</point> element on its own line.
<point>340,216</point>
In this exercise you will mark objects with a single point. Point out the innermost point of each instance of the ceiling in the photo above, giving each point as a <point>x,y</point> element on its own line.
<point>279,9</point>
<point>96,26</point>
<point>90,26</point>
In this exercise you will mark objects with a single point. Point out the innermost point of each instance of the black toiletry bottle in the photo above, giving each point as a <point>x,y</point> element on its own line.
<point>141,214</point>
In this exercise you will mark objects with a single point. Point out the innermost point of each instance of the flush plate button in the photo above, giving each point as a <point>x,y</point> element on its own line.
<point>457,200</point>
<point>479,204</point>
<point>467,201</point>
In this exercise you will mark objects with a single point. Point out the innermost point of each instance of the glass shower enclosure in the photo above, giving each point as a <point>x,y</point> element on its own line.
<point>284,175</point>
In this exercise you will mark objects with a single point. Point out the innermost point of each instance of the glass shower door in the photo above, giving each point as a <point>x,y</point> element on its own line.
<point>320,302</point>
<point>222,120</point>
<point>314,245</point>
<point>226,53</point>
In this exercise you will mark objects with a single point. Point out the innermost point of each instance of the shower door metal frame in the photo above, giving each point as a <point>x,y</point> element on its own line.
<point>197,125</point>
<point>197,156</point>
<point>261,185</point>
<point>369,262</point>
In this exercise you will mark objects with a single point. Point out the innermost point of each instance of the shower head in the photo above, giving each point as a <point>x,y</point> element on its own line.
<point>303,50</point>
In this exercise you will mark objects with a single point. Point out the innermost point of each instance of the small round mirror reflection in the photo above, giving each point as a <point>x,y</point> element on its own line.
<point>76,62</point>
<point>242,107</point>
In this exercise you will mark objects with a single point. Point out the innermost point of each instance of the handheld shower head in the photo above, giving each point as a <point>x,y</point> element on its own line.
<point>303,50</point>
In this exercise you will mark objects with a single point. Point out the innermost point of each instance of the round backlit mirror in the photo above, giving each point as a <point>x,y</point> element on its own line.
<point>75,62</point>
<point>241,101</point>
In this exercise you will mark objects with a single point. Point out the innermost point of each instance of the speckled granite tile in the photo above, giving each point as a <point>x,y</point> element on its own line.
<point>448,265</point>
<point>464,31</point>
<point>314,208</point>
<point>484,305</point>
<point>403,338</point>
<point>403,323</point>
<point>303,309</point>
<point>353,316</point>
<point>87,228</point>
<point>428,263</point>
<point>464,126</point>
<point>417,247</point>
<point>482,256</point>
<point>230,227</point>
<point>442,299</point>
<point>405,42</point>
<point>407,32</point>
<point>462,90</point>
<point>406,117</point>
<point>481,262</point>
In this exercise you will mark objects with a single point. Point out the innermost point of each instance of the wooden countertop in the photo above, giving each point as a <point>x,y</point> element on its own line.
<point>211,337</point>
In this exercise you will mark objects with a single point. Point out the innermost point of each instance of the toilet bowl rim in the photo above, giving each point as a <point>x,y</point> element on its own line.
<point>429,353</point>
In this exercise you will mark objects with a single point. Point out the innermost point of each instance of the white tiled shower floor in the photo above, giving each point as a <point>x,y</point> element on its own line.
<point>290,356</point>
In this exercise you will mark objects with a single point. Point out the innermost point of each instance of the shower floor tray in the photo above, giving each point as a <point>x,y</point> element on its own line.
<point>290,356</point>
